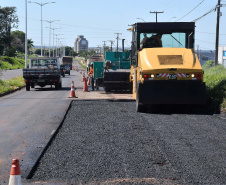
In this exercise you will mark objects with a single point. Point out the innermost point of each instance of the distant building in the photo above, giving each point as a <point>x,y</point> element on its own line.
<point>80,44</point>
<point>222,55</point>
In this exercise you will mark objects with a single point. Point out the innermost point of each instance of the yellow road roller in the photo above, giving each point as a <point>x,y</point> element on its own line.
<point>164,66</point>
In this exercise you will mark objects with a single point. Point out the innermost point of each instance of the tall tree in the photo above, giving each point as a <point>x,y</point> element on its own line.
<point>18,40</point>
<point>8,20</point>
<point>69,51</point>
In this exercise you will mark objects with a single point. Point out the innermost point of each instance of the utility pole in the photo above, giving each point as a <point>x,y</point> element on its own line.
<point>98,49</point>
<point>156,15</point>
<point>198,51</point>
<point>111,43</point>
<point>217,32</point>
<point>104,47</point>
<point>117,39</point>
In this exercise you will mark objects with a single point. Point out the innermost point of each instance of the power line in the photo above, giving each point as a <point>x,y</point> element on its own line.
<point>127,44</point>
<point>191,10</point>
<point>208,33</point>
<point>205,41</point>
<point>213,9</point>
<point>77,25</point>
<point>205,48</point>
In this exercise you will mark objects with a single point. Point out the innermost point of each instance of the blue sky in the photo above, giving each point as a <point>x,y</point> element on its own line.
<point>98,20</point>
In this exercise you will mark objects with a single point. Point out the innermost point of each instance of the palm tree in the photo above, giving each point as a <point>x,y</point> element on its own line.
<point>29,45</point>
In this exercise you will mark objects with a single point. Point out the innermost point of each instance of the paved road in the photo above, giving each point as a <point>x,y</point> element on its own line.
<point>27,121</point>
<point>109,142</point>
<point>8,74</point>
<point>117,146</point>
<point>29,118</point>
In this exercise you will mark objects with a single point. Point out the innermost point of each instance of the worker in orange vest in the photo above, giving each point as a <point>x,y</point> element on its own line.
<point>91,75</point>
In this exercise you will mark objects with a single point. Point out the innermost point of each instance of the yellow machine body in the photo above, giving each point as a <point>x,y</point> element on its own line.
<point>165,74</point>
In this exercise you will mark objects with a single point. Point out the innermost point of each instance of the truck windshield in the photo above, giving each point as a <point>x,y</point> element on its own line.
<point>43,63</point>
<point>173,40</point>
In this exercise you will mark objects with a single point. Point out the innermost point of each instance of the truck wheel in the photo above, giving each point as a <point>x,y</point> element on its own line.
<point>107,90</point>
<point>27,86</point>
<point>57,86</point>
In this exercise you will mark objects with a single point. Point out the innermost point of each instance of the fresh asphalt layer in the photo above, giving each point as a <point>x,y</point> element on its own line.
<point>108,142</point>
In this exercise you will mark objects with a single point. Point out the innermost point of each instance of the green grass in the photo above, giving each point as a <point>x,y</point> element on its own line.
<point>12,84</point>
<point>83,65</point>
<point>215,78</point>
<point>11,63</point>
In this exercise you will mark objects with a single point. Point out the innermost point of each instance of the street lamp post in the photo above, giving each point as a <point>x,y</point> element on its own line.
<point>56,43</point>
<point>50,33</point>
<point>59,45</point>
<point>171,19</point>
<point>141,19</point>
<point>53,38</point>
<point>25,34</point>
<point>41,4</point>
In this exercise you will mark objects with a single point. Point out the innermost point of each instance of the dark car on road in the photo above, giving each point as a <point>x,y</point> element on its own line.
<point>66,69</point>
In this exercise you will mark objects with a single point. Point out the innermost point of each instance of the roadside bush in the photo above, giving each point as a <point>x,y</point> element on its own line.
<point>209,63</point>
<point>11,63</point>
<point>215,78</point>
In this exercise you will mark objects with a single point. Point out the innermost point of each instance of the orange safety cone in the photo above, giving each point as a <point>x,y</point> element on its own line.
<point>15,176</point>
<point>85,87</point>
<point>72,94</point>
<point>83,76</point>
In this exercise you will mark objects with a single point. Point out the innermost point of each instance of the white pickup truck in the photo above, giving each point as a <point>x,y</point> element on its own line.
<point>43,71</point>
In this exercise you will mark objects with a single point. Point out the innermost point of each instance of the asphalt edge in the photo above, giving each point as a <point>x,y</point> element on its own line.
<point>30,174</point>
<point>12,91</point>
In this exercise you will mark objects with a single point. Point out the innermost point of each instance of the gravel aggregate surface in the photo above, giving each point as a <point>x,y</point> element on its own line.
<point>108,142</point>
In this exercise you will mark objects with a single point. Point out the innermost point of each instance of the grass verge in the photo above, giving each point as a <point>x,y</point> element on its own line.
<point>83,65</point>
<point>215,78</point>
<point>11,63</point>
<point>12,84</point>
